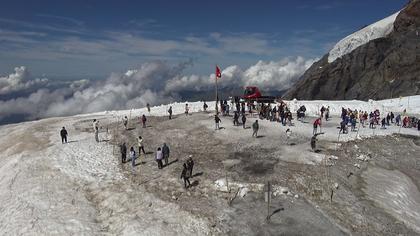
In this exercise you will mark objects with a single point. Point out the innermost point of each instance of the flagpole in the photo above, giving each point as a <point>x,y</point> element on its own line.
<point>217,96</point>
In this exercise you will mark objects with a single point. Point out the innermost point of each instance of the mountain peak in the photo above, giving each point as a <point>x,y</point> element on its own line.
<point>377,62</point>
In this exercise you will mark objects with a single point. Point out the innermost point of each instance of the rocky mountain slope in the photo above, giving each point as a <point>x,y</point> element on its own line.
<point>380,61</point>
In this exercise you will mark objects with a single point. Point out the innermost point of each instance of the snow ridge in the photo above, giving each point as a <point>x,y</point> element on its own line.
<point>376,30</point>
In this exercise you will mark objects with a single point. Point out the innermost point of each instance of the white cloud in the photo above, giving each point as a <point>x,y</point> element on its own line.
<point>19,81</point>
<point>271,75</point>
<point>153,82</point>
<point>280,75</point>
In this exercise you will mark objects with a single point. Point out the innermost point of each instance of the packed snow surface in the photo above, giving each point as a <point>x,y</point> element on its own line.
<point>50,188</point>
<point>376,30</point>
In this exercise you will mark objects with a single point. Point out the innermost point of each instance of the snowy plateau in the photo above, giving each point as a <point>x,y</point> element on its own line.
<point>82,188</point>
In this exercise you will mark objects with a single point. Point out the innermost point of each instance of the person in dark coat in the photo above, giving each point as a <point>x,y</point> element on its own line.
<point>313,141</point>
<point>190,165</point>
<point>123,149</point>
<point>165,152</point>
<point>170,113</point>
<point>236,119</point>
<point>343,127</point>
<point>205,106</point>
<point>63,134</point>
<point>143,120</point>
<point>243,120</point>
<point>383,123</point>
<point>185,175</point>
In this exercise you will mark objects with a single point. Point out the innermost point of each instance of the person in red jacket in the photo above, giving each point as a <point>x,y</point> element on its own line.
<point>317,123</point>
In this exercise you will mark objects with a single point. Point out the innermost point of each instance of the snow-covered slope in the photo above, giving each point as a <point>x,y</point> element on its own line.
<point>376,30</point>
<point>47,188</point>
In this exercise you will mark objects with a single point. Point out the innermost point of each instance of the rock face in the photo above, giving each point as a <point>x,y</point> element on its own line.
<point>381,68</point>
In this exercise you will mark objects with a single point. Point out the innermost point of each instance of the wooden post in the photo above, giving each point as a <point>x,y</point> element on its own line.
<point>268,200</point>
<point>113,145</point>
<point>129,118</point>
<point>227,181</point>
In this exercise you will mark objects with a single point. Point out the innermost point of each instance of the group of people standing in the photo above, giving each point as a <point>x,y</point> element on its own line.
<point>162,153</point>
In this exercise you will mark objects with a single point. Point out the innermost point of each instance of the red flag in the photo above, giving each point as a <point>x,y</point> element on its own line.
<point>218,72</point>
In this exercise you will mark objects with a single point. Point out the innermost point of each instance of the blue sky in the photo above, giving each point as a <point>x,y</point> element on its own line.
<point>95,38</point>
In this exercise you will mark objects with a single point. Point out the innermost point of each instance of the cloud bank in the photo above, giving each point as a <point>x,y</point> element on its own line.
<point>19,81</point>
<point>153,82</point>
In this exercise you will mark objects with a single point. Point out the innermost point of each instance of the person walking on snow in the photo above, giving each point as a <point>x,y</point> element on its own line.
<point>123,150</point>
<point>143,120</point>
<point>383,123</point>
<point>217,121</point>
<point>125,122</point>
<point>205,106</point>
<point>148,107</point>
<point>141,146</point>
<point>255,128</point>
<point>190,165</point>
<point>170,112</point>
<point>317,123</point>
<point>313,141</point>
<point>235,118</point>
<point>372,122</point>
<point>159,157</point>
<point>63,134</point>
<point>96,129</point>
<point>187,109</point>
<point>343,127</point>
<point>243,120</point>
<point>165,152</point>
<point>398,120</point>
<point>288,133</point>
<point>327,113</point>
<point>133,158</point>
<point>185,176</point>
